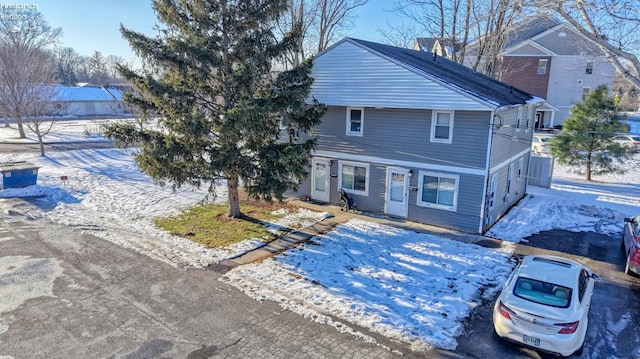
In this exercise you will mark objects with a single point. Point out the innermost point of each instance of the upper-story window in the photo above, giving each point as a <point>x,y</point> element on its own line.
<point>589,69</point>
<point>585,92</point>
<point>542,66</point>
<point>355,121</point>
<point>442,126</point>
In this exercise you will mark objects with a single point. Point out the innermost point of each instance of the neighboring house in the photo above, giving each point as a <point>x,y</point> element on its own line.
<point>418,137</point>
<point>435,45</point>
<point>552,60</point>
<point>88,101</point>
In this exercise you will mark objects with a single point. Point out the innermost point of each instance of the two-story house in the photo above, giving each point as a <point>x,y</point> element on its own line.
<point>420,137</point>
<point>550,59</point>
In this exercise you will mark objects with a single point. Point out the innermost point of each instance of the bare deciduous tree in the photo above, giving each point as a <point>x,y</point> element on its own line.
<point>321,23</point>
<point>483,24</point>
<point>24,62</point>
<point>612,24</point>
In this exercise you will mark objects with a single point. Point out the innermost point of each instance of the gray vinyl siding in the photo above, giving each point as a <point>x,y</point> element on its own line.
<point>503,200</point>
<point>507,140</point>
<point>402,134</point>
<point>466,218</point>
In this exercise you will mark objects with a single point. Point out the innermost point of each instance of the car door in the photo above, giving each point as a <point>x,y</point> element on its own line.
<point>585,291</point>
<point>631,232</point>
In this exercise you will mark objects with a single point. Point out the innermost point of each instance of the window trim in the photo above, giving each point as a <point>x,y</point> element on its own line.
<point>543,70</point>
<point>589,68</point>
<point>353,133</point>
<point>456,192</point>
<point>367,176</point>
<point>509,179</point>
<point>493,190</point>
<point>434,116</point>
<point>520,168</point>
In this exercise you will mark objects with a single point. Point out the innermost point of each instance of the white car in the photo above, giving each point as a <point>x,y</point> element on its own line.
<point>540,144</point>
<point>628,140</point>
<point>545,304</point>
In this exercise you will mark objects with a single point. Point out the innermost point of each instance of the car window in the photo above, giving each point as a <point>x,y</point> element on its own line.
<point>542,292</point>
<point>636,138</point>
<point>582,284</point>
<point>636,227</point>
<point>545,139</point>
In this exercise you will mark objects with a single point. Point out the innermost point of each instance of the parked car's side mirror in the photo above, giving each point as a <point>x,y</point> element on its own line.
<point>595,276</point>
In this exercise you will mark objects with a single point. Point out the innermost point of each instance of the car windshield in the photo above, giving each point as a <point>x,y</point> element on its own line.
<point>636,138</point>
<point>542,292</point>
<point>545,139</point>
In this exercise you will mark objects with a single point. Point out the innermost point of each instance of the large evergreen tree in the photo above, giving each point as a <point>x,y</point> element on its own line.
<point>586,141</point>
<point>218,100</point>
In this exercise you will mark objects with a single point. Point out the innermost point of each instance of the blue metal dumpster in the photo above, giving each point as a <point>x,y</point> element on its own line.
<point>18,174</point>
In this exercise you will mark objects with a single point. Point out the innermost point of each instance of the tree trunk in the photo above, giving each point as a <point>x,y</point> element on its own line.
<point>6,121</point>
<point>40,141</point>
<point>18,118</point>
<point>234,198</point>
<point>588,171</point>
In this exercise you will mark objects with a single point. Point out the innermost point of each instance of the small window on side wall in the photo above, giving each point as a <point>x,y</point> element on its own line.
<point>589,69</point>
<point>542,66</point>
<point>585,92</point>
<point>355,121</point>
<point>442,126</point>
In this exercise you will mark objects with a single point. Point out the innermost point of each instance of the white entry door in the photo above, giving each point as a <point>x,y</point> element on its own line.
<point>320,180</point>
<point>397,196</point>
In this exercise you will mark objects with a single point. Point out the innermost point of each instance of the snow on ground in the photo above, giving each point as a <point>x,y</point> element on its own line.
<point>405,285</point>
<point>408,286</point>
<point>574,204</point>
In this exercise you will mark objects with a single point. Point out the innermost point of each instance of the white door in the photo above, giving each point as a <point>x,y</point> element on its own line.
<point>320,180</point>
<point>397,196</point>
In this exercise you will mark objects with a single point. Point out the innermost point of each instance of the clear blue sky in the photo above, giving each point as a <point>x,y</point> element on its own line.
<point>90,25</point>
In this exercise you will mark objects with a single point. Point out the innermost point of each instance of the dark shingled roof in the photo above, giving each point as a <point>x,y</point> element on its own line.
<point>530,29</point>
<point>457,75</point>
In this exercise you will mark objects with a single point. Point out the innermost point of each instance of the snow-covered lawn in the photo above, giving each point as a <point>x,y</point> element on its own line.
<point>405,285</point>
<point>408,286</point>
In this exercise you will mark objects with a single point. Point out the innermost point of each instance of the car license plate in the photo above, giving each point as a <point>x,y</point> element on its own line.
<point>531,341</point>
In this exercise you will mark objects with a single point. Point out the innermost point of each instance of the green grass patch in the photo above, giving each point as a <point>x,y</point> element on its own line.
<point>209,225</point>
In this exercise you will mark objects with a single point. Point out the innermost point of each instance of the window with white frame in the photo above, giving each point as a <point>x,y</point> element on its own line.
<point>589,69</point>
<point>438,190</point>
<point>492,190</point>
<point>542,66</point>
<point>355,121</point>
<point>520,167</point>
<point>442,126</point>
<point>509,178</point>
<point>519,119</point>
<point>354,177</point>
<point>585,92</point>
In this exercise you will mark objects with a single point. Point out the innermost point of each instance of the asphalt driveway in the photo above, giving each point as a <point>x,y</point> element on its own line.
<point>615,310</point>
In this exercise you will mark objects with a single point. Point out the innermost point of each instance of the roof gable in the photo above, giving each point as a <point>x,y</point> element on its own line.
<point>447,72</point>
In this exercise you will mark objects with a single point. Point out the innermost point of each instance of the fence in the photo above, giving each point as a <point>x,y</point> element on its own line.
<point>540,171</point>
